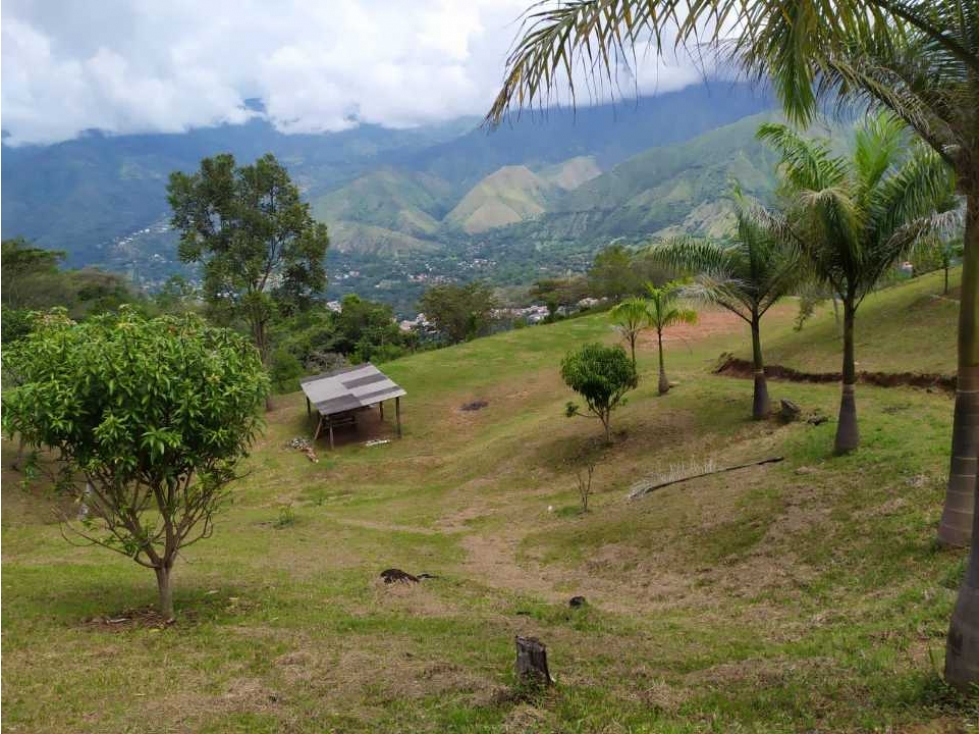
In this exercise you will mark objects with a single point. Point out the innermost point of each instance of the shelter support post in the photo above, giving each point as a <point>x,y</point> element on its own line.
<point>309,409</point>
<point>381,405</point>
<point>331,435</point>
<point>397,413</point>
<point>319,426</point>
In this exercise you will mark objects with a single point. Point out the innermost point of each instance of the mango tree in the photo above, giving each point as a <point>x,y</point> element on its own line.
<point>145,422</point>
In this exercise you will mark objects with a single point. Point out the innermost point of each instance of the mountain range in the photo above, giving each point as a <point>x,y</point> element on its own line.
<point>539,193</point>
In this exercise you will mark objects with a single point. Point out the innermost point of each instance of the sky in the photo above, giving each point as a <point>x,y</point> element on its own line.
<point>136,66</point>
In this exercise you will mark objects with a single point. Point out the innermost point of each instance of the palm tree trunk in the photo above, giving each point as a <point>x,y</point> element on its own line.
<point>962,647</point>
<point>847,435</point>
<point>664,384</point>
<point>960,501</point>
<point>632,347</point>
<point>761,406</point>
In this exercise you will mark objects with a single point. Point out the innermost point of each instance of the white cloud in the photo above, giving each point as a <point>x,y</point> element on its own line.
<point>127,66</point>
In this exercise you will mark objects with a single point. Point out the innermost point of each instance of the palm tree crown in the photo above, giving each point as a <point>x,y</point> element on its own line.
<point>746,276</point>
<point>854,216</point>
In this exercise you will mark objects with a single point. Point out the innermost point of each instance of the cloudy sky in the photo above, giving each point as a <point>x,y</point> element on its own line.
<point>127,66</point>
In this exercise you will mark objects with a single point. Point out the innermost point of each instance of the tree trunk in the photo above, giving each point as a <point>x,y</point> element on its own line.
<point>532,661</point>
<point>761,406</point>
<point>956,525</point>
<point>664,384</point>
<point>945,291</point>
<point>165,585</point>
<point>632,347</point>
<point>258,334</point>
<point>962,648</point>
<point>847,435</point>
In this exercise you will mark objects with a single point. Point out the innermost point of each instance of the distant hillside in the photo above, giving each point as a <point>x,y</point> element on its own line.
<point>88,195</point>
<point>510,195</point>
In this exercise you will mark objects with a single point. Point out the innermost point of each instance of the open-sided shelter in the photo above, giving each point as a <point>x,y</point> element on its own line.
<point>339,395</point>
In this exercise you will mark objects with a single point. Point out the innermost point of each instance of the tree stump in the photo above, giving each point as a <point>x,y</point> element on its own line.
<point>789,412</point>
<point>532,661</point>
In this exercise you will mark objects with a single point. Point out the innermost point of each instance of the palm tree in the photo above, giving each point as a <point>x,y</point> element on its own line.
<point>918,59</point>
<point>855,216</point>
<point>746,277</point>
<point>630,318</point>
<point>664,311</point>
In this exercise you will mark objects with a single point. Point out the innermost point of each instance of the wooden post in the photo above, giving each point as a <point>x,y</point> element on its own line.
<point>309,410</point>
<point>532,661</point>
<point>382,410</point>
<point>331,435</point>
<point>319,426</point>
<point>397,413</point>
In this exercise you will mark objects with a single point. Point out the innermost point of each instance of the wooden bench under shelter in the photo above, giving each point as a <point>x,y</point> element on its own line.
<point>341,394</point>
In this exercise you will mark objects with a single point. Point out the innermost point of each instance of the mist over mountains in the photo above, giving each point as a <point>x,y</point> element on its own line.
<point>535,195</point>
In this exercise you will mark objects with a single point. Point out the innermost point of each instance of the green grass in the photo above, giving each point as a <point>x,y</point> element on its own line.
<point>802,596</point>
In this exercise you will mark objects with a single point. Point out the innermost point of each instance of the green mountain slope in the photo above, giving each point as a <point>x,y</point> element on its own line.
<point>509,195</point>
<point>572,173</point>
<point>682,186</point>
<point>368,239</point>
<point>403,201</point>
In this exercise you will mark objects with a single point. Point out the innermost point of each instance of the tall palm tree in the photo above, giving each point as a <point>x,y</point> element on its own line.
<point>855,216</point>
<point>746,277</point>
<point>631,318</point>
<point>919,59</point>
<point>932,82</point>
<point>664,310</point>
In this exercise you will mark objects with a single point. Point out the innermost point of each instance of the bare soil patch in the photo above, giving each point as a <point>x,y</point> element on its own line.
<point>731,366</point>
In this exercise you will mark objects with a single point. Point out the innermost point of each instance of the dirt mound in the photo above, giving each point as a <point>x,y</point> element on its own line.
<point>728,364</point>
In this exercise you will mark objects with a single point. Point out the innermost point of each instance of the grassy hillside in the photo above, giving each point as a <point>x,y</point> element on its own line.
<point>801,596</point>
<point>906,328</point>
<point>511,194</point>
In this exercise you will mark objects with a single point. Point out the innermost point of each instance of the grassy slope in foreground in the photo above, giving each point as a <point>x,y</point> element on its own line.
<point>801,596</point>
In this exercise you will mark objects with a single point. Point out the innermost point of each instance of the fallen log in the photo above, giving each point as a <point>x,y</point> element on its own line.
<point>642,491</point>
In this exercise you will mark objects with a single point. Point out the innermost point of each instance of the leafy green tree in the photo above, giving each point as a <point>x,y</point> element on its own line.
<point>23,264</point>
<point>602,376</point>
<point>665,311</point>
<point>146,421</point>
<point>631,318</point>
<point>746,277</point>
<point>612,274</point>
<point>366,330</point>
<point>938,253</point>
<point>855,216</point>
<point>255,238</point>
<point>177,295</point>
<point>559,292</point>
<point>459,312</point>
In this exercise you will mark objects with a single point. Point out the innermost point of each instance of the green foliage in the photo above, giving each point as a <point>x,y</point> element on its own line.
<point>318,340</point>
<point>663,305</point>
<point>459,312</point>
<point>618,271</point>
<point>748,275</point>
<point>602,376</point>
<point>147,419</point>
<point>854,216</point>
<point>177,295</point>
<point>631,317</point>
<point>259,248</point>
<point>32,280</point>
